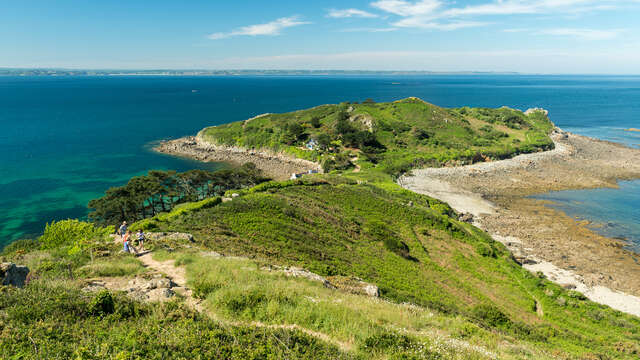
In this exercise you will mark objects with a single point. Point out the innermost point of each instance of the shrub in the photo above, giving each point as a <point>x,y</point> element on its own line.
<point>490,316</point>
<point>101,304</point>
<point>71,233</point>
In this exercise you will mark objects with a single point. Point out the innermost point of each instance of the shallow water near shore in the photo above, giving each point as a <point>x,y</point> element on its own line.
<point>65,140</point>
<point>613,213</point>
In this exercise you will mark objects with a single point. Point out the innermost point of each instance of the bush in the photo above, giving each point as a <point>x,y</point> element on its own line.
<point>101,304</point>
<point>70,233</point>
<point>490,316</point>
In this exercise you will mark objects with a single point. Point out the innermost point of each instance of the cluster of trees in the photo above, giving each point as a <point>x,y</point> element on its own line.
<point>159,191</point>
<point>352,137</point>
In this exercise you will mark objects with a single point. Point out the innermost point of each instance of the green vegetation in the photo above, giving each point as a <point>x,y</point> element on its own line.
<point>447,290</point>
<point>55,320</point>
<point>393,137</point>
<point>160,191</point>
<point>417,254</point>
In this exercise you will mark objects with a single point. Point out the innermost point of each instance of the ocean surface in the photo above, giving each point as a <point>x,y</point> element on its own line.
<point>65,140</point>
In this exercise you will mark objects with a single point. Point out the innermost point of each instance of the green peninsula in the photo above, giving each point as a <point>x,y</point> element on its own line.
<point>340,265</point>
<point>392,137</point>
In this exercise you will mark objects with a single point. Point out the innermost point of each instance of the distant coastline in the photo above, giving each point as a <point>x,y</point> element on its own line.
<point>230,72</point>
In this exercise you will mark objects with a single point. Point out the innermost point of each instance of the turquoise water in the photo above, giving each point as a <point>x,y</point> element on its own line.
<point>64,140</point>
<point>613,212</point>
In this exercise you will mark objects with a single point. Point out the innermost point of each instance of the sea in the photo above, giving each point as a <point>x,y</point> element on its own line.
<point>65,140</point>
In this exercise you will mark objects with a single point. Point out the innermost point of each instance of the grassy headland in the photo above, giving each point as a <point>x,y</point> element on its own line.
<point>447,290</point>
<point>393,137</point>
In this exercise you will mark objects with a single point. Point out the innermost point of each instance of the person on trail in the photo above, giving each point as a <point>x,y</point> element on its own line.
<point>125,241</point>
<point>140,240</point>
<point>123,229</point>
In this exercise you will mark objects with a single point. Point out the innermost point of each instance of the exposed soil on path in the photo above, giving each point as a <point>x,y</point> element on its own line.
<point>543,238</point>
<point>177,274</point>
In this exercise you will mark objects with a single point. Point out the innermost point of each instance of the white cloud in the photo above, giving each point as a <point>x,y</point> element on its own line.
<point>407,8</point>
<point>420,23</point>
<point>371,30</point>
<point>434,14</point>
<point>270,29</point>
<point>585,34</point>
<point>347,13</point>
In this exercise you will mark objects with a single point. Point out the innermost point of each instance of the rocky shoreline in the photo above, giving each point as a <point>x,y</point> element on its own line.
<point>277,166</point>
<point>541,238</point>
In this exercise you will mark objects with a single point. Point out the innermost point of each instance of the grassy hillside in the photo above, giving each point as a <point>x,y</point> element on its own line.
<point>412,247</point>
<point>394,136</point>
<point>447,290</point>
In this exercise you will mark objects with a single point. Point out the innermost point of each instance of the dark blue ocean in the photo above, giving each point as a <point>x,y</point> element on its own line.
<point>65,140</point>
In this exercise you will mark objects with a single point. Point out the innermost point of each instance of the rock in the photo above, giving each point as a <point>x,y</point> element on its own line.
<point>354,285</point>
<point>12,274</point>
<point>235,195</point>
<point>169,237</point>
<point>298,272</point>
<point>466,217</point>
<point>561,301</point>
<point>568,286</point>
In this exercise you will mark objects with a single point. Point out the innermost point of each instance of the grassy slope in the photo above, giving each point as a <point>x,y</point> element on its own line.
<point>413,132</point>
<point>337,227</point>
<point>439,278</point>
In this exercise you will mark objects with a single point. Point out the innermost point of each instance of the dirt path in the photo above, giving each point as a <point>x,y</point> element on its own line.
<point>178,275</point>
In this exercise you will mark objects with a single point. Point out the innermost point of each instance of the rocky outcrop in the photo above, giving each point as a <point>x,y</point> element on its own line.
<point>167,236</point>
<point>349,284</point>
<point>158,288</point>
<point>12,274</point>
<point>278,166</point>
<point>354,285</point>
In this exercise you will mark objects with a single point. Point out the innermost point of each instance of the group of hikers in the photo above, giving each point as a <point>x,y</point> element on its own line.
<point>125,235</point>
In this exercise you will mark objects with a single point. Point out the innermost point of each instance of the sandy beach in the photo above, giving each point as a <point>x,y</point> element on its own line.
<point>541,238</point>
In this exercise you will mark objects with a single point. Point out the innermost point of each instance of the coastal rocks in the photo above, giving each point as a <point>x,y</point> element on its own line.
<point>559,134</point>
<point>534,110</point>
<point>278,166</point>
<point>12,274</point>
<point>466,217</point>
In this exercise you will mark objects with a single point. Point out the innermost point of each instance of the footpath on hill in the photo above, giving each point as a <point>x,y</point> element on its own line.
<point>178,276</point>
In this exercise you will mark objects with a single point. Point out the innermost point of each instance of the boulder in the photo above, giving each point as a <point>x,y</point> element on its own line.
<point>466,217</point>
<point>299,272</point>
<point>12,274</point>
<point>354,285</point>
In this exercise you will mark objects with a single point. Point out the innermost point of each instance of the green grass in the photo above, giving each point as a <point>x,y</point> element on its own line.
<point>408,133</point>
<point>55,320</point>
<point>448,291</point>
<point>121,264</point>
<point>416,254</point>
<point>240,289</point>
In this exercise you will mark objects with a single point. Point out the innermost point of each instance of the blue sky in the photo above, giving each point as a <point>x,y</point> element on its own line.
<point>546,36</point>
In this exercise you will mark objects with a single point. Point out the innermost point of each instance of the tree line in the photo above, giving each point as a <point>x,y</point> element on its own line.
<point>160,191</point>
